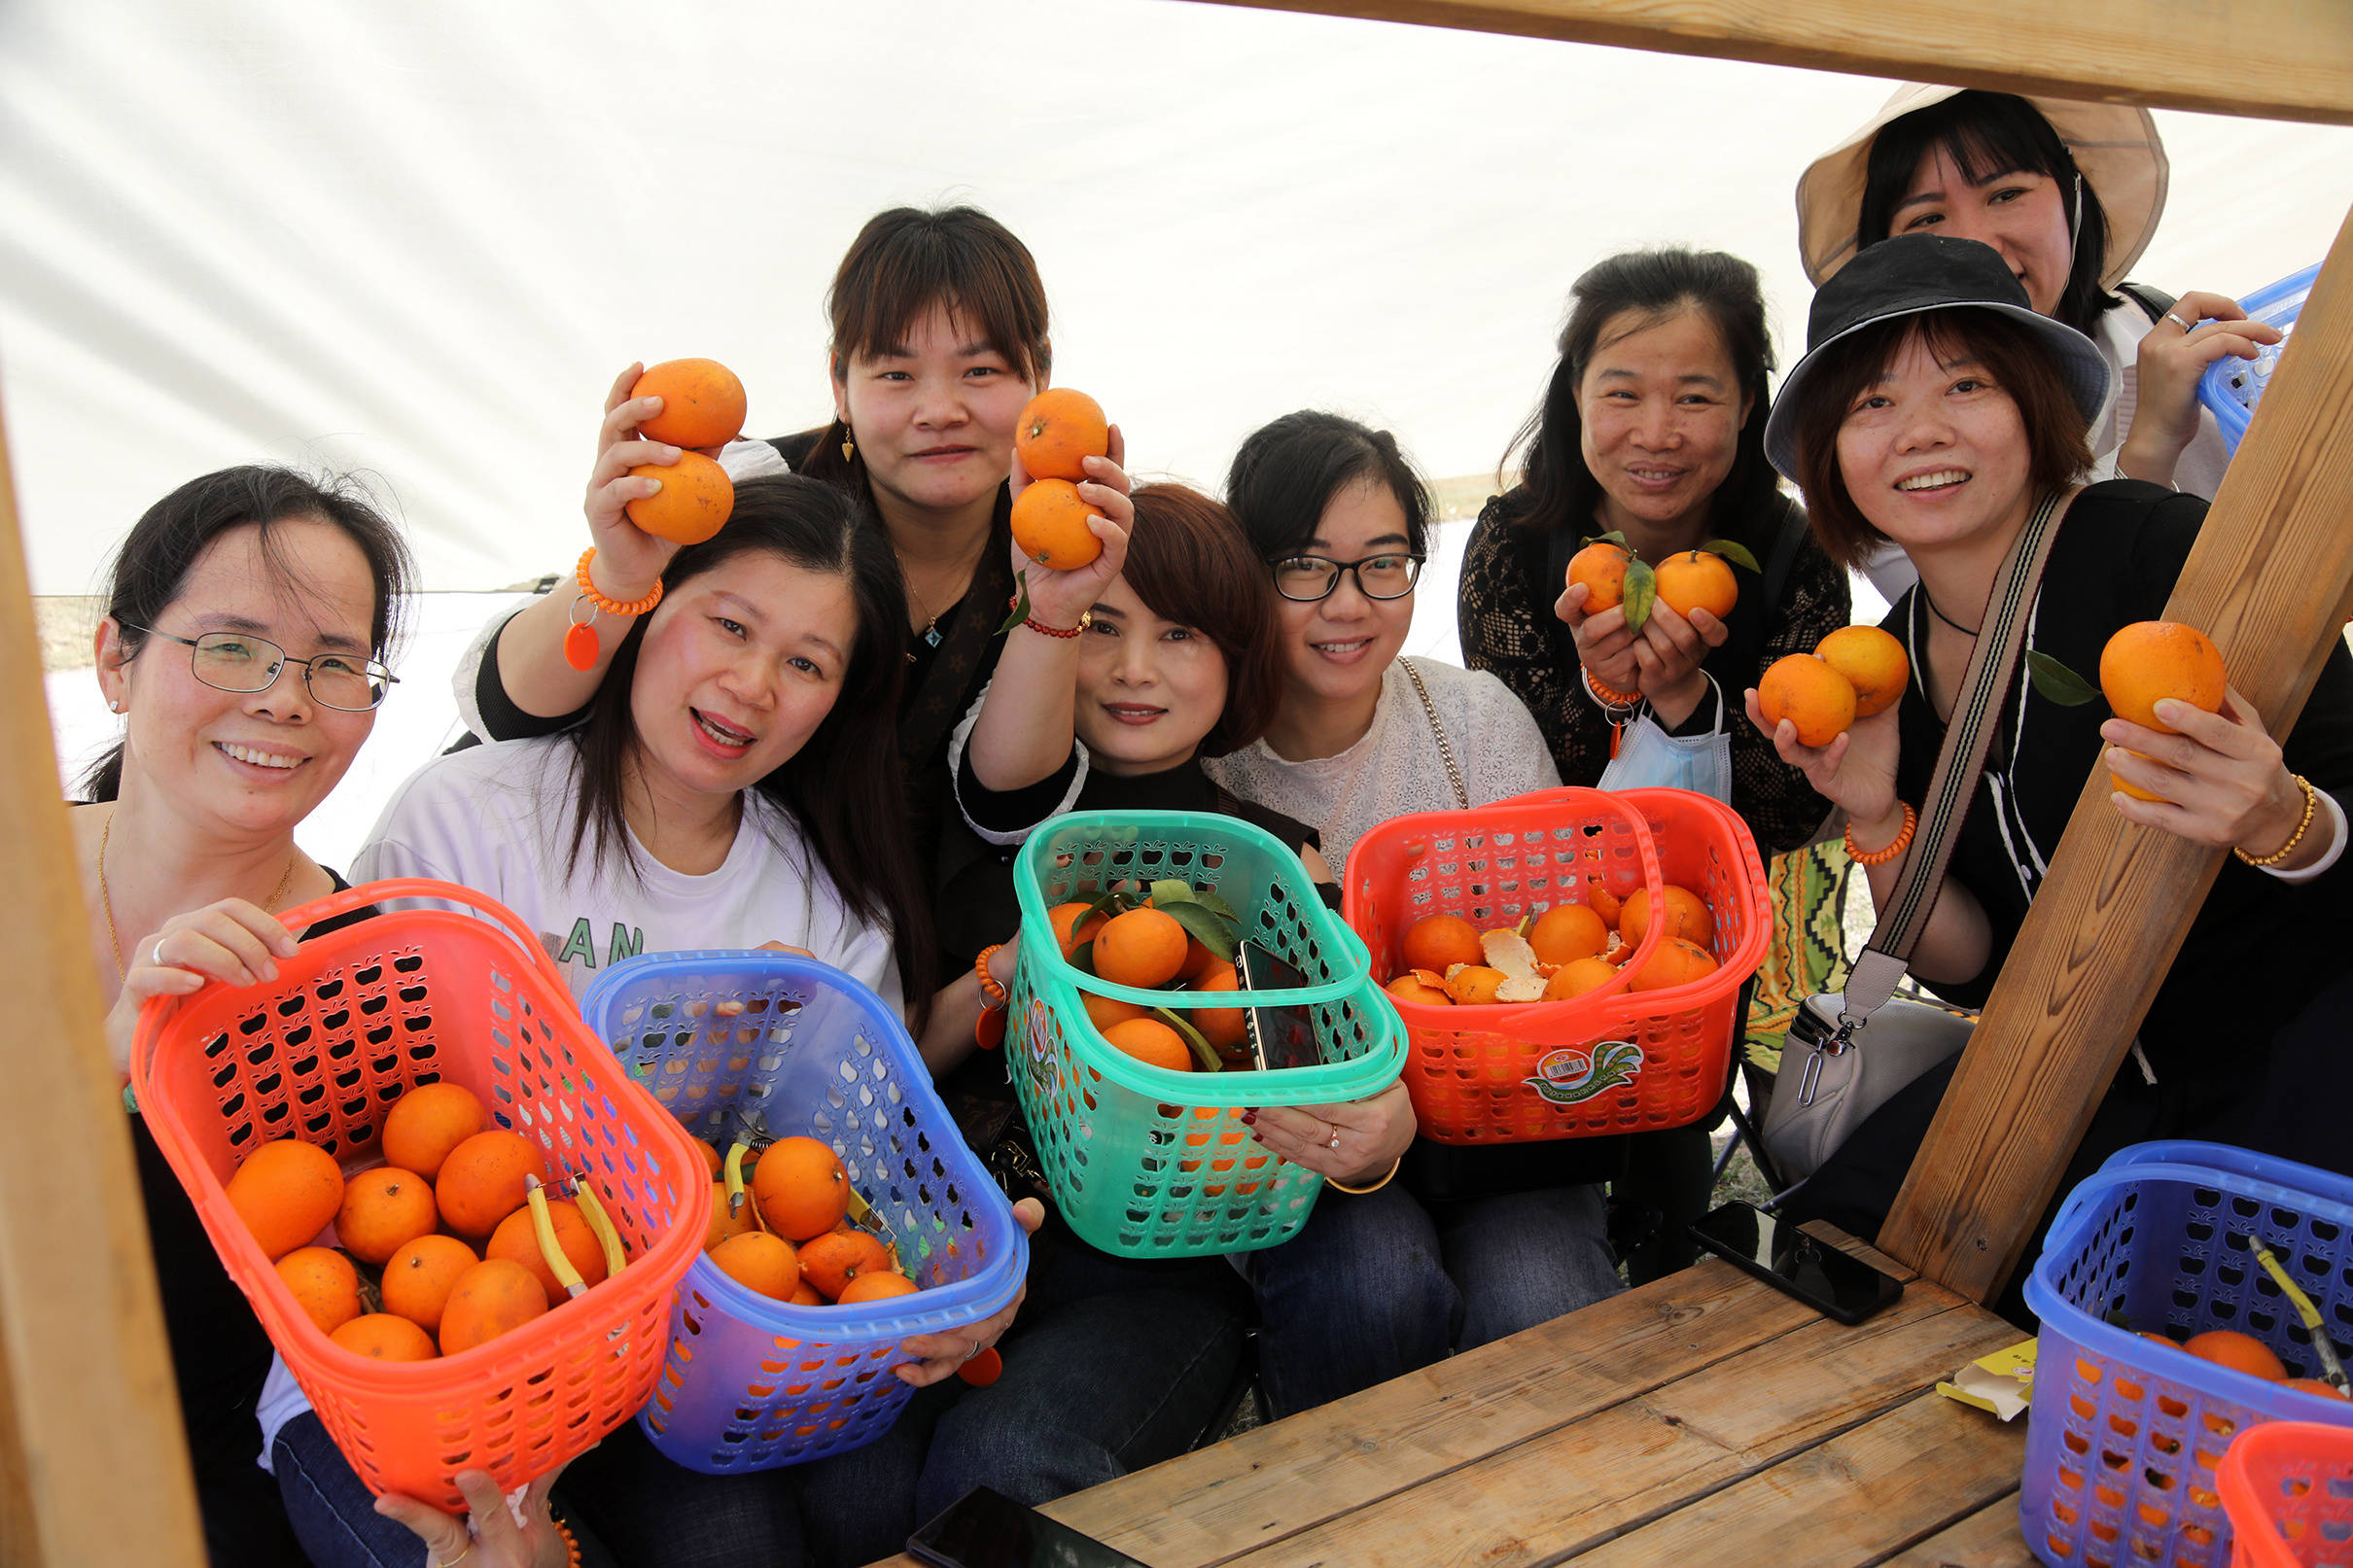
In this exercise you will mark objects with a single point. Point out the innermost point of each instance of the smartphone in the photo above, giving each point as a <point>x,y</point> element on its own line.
<point>987,1529</point>
<point>1277,1037</point>
<point>1835,1283</point>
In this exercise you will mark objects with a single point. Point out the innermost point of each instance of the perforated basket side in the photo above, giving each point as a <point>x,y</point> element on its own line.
<point>2288,1488</point>
<point>761,1044</point>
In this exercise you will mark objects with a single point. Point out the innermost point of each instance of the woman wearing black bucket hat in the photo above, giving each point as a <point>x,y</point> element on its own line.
<point>2070,193</point>
<point>1934,410</point>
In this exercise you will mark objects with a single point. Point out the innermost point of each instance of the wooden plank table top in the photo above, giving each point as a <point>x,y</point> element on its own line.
<point>1701,1417</point>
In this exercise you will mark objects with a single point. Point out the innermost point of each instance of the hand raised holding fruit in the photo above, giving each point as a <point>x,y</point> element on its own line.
<point>2214,779</point>
<point>1854,770</point>
<point>1071,516</point>
<point>234,941</point>
<point>629,560</point>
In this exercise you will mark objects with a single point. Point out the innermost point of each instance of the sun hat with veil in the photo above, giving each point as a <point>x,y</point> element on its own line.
<point>2115,147</point>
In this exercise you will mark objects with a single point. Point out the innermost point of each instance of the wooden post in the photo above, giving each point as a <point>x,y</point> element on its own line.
<point>92,1464</point>
<point>2286,60</point>
<point>2272,582</point>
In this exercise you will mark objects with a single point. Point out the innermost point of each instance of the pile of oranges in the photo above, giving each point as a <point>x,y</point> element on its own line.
<point>702,406</point>
<point>2243,1352</point>
<point>436,1250</point>
<point>1565,951</point>
<point>1157,945</point>
<point>1853,672</point>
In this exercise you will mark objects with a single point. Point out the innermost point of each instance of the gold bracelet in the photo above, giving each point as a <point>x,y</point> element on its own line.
<point>2311,803</point>
<point>1359,1192</point>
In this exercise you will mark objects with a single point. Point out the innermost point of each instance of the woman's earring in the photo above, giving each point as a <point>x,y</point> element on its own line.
<point>849,447</point>
<point>113,705</point>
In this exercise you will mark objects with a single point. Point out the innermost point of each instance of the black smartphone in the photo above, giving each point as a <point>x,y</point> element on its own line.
<point>1835,1283</point>
<point>986,1529</point>
<point>1277,1037</point>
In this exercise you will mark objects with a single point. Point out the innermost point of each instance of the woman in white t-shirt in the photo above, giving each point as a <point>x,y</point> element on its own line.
<point>735,783</point>
<point>1430,1252</point>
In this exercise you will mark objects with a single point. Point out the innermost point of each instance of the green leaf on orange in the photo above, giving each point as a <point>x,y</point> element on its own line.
<point>1203,927</point>
<point>1732,550</point>
<point>2054,682</point>
<point>1203,1052</point>
<point>1641,591</point>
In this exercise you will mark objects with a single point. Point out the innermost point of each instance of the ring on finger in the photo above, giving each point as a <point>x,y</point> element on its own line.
<point>1333,1143</point>
<point>2177,321</point>
<point>156,955</point>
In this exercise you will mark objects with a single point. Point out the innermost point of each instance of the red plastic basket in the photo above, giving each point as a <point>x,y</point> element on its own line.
<point>2288,1488</point>
<point>355,1017</point>
<point>1612,1061</point>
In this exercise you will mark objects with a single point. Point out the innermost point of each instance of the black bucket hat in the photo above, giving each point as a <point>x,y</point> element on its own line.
<point>1909,276</point>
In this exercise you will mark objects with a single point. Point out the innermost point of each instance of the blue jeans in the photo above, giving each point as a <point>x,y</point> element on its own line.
<point>1376,1286</point>
<point>1114,1364</point>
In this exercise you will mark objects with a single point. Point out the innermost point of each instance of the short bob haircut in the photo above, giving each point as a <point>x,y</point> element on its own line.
<point>1653,287</point>
<point>1190,562</point>
<point>1990,134</point>
<point>908,261</point>
<point>2010,353</point>
<point>1287,472</point>
<point>151,568</point>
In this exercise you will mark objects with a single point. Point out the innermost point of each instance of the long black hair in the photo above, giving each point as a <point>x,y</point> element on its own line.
<point>1988,134</point>
<point>151,567</point>
<point>1557,488</point>
<point>844,787</point>
<point>1286,473</point>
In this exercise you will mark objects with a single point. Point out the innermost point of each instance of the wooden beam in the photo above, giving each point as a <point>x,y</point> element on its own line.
<point>2286,60</point>
<point>93,1468</point>
<point>2272,582</point>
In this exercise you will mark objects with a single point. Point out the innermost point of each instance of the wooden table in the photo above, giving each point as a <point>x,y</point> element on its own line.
<point>1703,1418</point>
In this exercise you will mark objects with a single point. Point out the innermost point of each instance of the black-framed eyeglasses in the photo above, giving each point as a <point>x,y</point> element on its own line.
<point>1310,578</point>
<point>240,662</point>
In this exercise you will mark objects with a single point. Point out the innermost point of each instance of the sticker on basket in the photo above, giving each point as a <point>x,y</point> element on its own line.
<point>1573,1076</point>
<point>2002,1382</point>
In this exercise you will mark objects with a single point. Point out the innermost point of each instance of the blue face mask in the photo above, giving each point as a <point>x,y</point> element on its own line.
<point>1650,758</point>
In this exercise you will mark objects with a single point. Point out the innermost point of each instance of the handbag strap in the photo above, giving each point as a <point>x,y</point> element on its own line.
<point>2001,639</point>
<point>1446,748</point>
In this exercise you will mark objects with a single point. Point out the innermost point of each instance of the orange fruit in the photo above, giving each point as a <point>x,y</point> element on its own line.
<point>1151,1043</point>
<point>1810,695</point>
<point>1412,988</point>
<point>1565,933</point>
<point>801,1187</point>
<point>1577,977</point>
<point>710,1154</point>
<point>493,1297</point>
<point>805,1293</point>
<point>1222,1027</point>
<point>702,402</point>
<point>385,1336</point>
<point>875,1287</point>
<point>830,1260</point>
<point>1602,567</point>
<point>1602,902</point>
<point>694,502</point>
<point>1051,525</point>
<point>1069,931</point>
<point>1198,960</point>
<point>2151,660</point>
<point>325,1285</point>
<point>1474,983</point>
<point>1675,963</point>
<point>2313,1385</point>
<point>2242,1352</point>
<point>418,1278</point>
<point>1874,663</point>
<point>382,1209</point>
<point>286,1191</point>
<point>1060,426</point>
<point>516,1238</point>
<point>723,1224</point>
<point>1689,918</point>
<point>760,1262</point>
<point>1439,942</point>
<point>1105,1011</point>
<point>482,1181</point>
<point>428,1122</point>
<point>1143,948</point>
<point>1697,580</point>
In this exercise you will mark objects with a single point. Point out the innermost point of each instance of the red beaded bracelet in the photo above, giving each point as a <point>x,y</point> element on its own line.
<point>1610,695</point>
<point>572,1546</point>
<point>1880,857</point>
<point>1087,619</point>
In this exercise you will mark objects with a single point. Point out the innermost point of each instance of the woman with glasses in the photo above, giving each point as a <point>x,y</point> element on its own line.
<point>1418,1250</point>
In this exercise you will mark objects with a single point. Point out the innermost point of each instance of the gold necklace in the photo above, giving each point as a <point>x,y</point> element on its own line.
<point>930,632</point>
<point>106,899</point>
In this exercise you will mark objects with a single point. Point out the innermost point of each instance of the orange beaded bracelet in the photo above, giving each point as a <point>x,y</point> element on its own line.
<point>988,1029</point>
<point>1880,857</point>
<point>1609,694</point>
<point>580,645</point>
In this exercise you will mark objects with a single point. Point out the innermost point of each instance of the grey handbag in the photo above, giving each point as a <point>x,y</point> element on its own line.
<point>1865,1043</point>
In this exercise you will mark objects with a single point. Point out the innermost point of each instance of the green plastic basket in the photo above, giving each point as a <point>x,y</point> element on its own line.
<point>1149,1162</point>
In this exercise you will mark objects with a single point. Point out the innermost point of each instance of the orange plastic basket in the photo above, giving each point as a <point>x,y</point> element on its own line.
<point>2287,1489</point>
<point>1612,1061</point>
<point>355,1017</point>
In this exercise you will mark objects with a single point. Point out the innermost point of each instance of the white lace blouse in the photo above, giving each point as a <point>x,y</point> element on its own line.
<point>1398,766</point>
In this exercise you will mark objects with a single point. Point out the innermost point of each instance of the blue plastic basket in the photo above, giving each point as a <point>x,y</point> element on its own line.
<point>737,1044</point>
<point>2124,1438</point>
<point>2232,387</point>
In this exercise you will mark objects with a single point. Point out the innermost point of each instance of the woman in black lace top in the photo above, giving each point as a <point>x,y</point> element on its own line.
<point>1653,427</point>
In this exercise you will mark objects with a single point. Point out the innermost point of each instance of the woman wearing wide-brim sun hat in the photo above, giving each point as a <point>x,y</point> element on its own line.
<point>2070,193</point>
